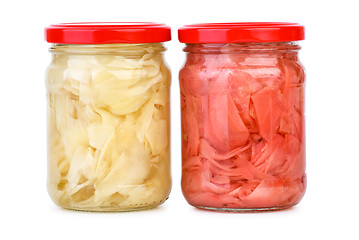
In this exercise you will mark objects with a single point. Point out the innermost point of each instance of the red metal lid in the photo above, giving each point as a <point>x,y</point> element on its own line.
<point>107,32</point>
<point>241,32</point>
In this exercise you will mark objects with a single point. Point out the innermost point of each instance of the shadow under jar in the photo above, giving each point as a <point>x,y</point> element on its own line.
<point>108,94</point>
<point>242,116</point>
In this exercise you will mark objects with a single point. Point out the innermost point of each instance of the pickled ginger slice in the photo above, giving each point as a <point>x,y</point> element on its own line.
<point>144,119</point>
<point>190,126</point>
<point>191,163</point>
<point>99,132</point>
<point>234,164</point>
<point>193,80</point>
<point>269,193</point>
<point>269,105</point>
<point>192,180</point>
<point>128,163</point>
<point>227,130</point>
<point>157,136</point>
<point>111,95</point>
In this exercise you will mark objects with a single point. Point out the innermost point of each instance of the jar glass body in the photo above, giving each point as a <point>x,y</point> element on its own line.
<point>108,126</point>
<point>242,117</point>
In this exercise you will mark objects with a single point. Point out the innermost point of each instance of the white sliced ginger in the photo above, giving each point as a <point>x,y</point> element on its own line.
<point>108,130</point>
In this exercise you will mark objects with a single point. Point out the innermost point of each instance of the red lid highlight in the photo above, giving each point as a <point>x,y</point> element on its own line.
<point>241,32</point>
<point>107,32</point>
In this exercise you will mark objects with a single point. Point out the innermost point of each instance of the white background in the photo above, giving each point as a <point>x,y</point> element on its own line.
<point>330,55</point>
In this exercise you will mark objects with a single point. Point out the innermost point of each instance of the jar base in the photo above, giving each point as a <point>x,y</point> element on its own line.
<point>110,209</point>
<point>245,210</point>
<point>130,208</point>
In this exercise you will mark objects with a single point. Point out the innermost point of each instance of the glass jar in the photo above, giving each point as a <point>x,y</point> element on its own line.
<point>242,116</point>
<point>108,94</point>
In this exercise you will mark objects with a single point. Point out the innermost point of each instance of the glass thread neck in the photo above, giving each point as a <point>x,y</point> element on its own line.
<point>113,48</point>
<point>241,47</point>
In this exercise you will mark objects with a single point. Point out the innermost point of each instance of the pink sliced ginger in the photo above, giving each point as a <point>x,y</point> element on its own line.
<point>212,200</point>
<point>241,86</point>
<point>295,166</point>
<point>195,59</point>
<point>243,131</point>
<point>220,179</point>
<point>190,124</point>
<point>193,80</point>
<point>215,63</point>
<point>238,158</point>
<point>191,181</point>
<point>193,162</point>
<point>269,105</point>
<point>208,184</point>
<point>270,193</point>
<point>263,193</point>
<point>208,151</point>
<point>276,156</point>
<point>266,77</point>
<point>226,129</point>
<point>293,92</point>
